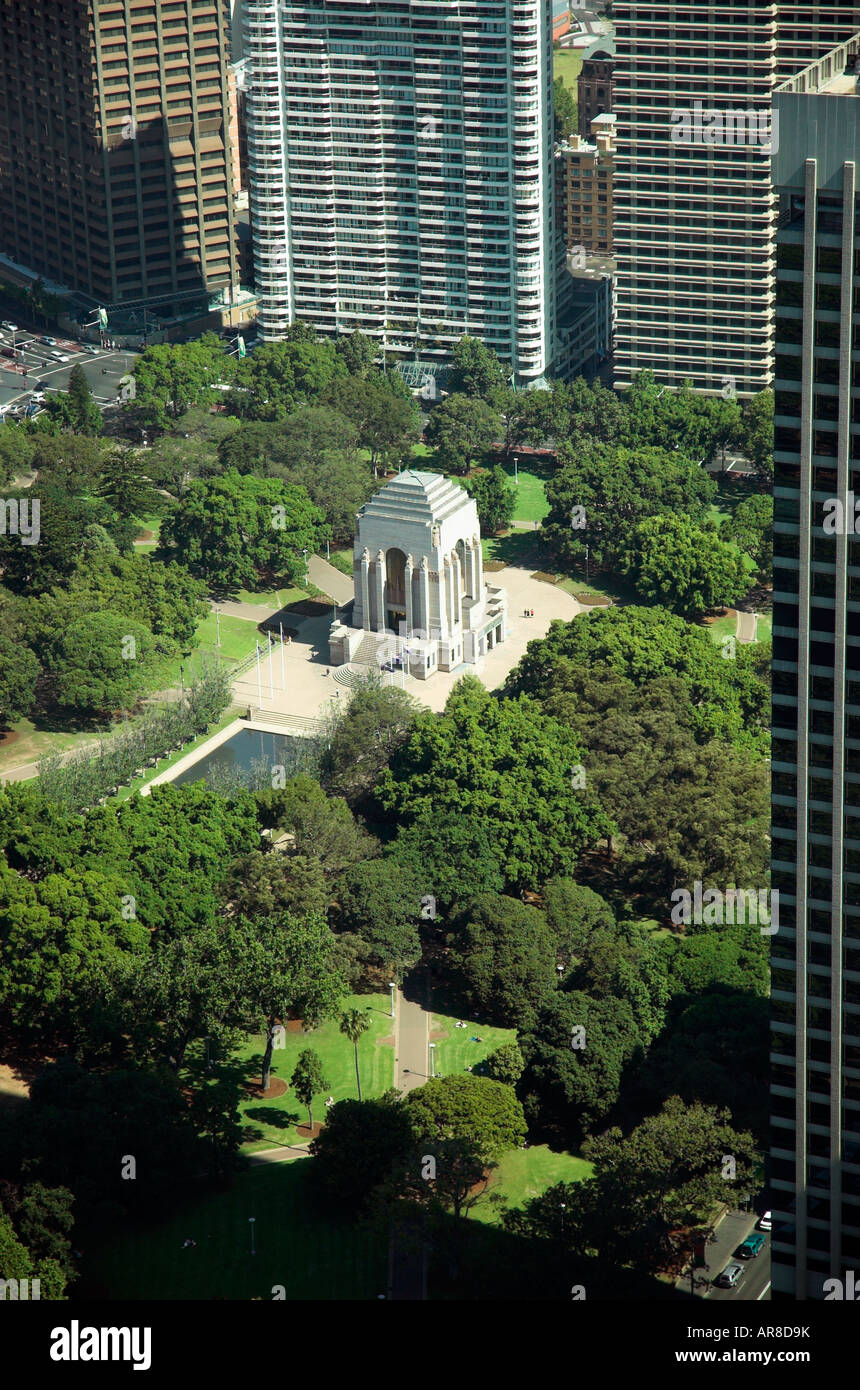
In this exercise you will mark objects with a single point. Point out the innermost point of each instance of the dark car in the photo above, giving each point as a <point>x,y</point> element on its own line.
<point>752,1246</point>
<point>43,385</point>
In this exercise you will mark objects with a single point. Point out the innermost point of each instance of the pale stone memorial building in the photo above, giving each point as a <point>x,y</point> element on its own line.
<point>420,593</point>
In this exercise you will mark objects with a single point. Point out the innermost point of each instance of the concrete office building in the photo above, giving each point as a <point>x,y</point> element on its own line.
<point>807,30</point>
<point>815,1092</point>
<point>694,218</point>
<point>401,172</point>
<point>115,175</point>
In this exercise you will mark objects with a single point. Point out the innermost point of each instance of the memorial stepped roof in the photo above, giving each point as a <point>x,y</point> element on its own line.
<point>415,496</point>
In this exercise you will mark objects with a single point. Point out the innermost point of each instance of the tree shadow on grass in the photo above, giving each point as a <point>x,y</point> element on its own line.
<point>277,1119</point>
<point>524,549</point>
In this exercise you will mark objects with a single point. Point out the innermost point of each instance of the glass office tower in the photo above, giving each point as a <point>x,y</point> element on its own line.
<point>815,1101</point>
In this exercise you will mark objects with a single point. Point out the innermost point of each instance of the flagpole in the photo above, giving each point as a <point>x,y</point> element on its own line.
<point>271,678</point>
<point>283,668</point>
<point>259,686</point>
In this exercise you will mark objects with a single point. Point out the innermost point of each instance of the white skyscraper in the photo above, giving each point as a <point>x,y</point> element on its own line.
<point>400,158</point>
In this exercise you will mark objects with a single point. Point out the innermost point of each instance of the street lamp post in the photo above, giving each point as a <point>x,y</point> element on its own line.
<point>392,987</point>
<point>251,1220</point>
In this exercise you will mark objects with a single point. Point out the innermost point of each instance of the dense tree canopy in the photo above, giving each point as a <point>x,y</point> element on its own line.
<point>601,492</point>
<point>476,370</point>
<point>496,499</point>
<point>682,566</point>
<point>467,1107</point>
<point>170,378</point>
<point>102,662</point>
<point>227,530</point>
<point>503,954</point>
<point>726,698</point>
<point>506,762</point>
<point>278,377</point>
<point>461,431</point>
<point>380,901</point>
<point>576,1053</point>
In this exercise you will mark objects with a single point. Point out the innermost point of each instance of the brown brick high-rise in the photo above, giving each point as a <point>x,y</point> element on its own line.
<point>114,152</point>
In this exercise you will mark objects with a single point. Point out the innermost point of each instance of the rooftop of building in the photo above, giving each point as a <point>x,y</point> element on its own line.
<point>836,73</point>
<point>848,85</point>
<point>601,49</point>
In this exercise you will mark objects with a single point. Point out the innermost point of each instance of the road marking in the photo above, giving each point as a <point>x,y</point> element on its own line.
<point>763,1292</point>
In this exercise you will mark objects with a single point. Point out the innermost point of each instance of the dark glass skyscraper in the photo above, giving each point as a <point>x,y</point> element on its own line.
<point>815,1103</point>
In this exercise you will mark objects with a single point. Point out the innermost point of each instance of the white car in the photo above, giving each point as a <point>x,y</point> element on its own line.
<point>12,327</point>
<point>765,1222</point>
<point>59,356</point>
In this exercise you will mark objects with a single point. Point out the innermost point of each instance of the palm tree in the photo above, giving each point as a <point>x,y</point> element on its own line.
<point>353,1023</point>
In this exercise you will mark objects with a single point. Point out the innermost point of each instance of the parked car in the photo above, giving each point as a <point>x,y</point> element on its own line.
<point>731,1275</point>
<point>752,1246</point>
<point>12,327</point>
<point>765,1222</point>
<point>49,342</point>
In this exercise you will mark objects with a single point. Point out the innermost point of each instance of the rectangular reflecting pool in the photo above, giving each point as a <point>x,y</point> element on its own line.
<point>249,757</point>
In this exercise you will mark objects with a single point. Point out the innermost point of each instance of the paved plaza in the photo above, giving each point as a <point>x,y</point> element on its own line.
<point>294,681</point>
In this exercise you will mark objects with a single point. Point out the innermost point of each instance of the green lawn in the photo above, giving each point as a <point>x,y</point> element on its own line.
<point>28,743</point>
<point>238,636</point>
<point>342,560</point>
<point>723,627</point>
<point>297,1245</point>
<point>531,497</point>
<point>148,523</point>
<point>764,627</point>
<point>604,585</point>
<point>525,1173</point>
<point>456,1051</point>
<point>271,1122</point>
<point>727,627</point>
<point>566,64</point>
<point>269,598</point>
<point>521,548</point>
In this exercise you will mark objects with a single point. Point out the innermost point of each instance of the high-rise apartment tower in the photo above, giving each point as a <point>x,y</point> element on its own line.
<point>401,172</point>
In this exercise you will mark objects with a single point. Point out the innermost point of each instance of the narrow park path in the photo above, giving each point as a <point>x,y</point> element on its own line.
<point>411,1044</point>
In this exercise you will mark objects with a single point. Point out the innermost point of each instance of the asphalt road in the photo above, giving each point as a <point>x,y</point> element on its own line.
<point>734,1228</point>
<point>103,370</point>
